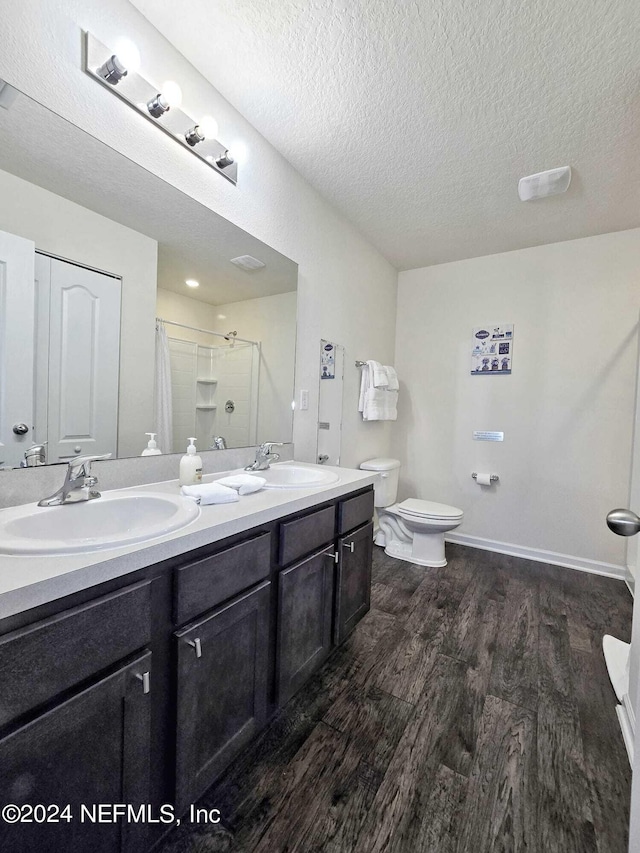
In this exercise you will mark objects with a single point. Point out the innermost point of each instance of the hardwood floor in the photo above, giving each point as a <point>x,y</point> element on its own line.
<point>470,711</point>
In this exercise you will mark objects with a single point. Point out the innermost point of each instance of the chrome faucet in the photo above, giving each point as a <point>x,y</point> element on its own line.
<point>219,443</point>
<point>78,483</point>
<point>264,456</point>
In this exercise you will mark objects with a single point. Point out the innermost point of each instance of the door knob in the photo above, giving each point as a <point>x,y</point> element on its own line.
<point>623,522</point>
<point>20,429</point>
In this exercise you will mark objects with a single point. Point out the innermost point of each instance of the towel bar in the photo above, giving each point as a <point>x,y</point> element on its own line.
<point>360,363</point>
<point>494,477</point>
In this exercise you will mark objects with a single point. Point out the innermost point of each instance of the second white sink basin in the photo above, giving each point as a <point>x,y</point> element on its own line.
<point>115,519</point>
<point>284,475</point>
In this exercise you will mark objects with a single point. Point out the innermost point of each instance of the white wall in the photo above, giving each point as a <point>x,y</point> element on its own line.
<point>567,410</point>
<point>60,227</point>
<point>346,289</point>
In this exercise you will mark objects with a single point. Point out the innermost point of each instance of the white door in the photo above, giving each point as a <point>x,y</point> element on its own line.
<point>17,311</point>
<point>84,358</point>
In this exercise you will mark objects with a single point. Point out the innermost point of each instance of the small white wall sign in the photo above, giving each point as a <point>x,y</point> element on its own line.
<point>492,350</point>
<point>487,435</point>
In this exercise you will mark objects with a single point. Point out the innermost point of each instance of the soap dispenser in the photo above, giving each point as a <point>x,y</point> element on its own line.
<point>152,448</point>
<point>190,466</point>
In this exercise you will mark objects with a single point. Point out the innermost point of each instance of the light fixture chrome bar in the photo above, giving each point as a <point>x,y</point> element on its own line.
<point>205,331</point>
<point>142,96</point>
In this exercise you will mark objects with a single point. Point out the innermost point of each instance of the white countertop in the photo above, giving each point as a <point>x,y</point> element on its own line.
<point>28,581</point>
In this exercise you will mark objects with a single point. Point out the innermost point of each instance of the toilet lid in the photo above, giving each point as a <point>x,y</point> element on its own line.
<point>428,509</point>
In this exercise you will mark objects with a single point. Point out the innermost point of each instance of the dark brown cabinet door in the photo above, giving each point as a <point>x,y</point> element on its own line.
<point>353,594</point>
<point>305,603</point>
<point>93,748</point>
<point>222,689</point>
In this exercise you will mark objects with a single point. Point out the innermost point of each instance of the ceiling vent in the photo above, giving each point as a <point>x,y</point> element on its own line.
<point>543,184</point>
<point>248,263</point>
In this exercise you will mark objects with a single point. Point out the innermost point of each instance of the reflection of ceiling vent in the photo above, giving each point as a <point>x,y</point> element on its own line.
<point>7,95</point>
<point>247,263</point>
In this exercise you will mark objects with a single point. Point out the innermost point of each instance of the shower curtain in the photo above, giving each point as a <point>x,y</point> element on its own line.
<point>162,391</point>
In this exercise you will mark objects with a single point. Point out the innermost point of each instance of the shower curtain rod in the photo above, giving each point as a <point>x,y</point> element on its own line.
<point>205,331</point>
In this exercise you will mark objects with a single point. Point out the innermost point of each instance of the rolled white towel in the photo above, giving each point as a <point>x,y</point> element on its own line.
<point>210,493</point>
<point>244,484</point>
<point>378,374</point>
<point>364,387</point>
<point>392,376</point>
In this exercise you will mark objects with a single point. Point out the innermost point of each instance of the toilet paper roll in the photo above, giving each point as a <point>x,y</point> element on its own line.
<point>483,479</point>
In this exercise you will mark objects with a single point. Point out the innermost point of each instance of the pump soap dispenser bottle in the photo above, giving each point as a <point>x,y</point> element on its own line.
<point>190,466</point>
<point>152,448</point>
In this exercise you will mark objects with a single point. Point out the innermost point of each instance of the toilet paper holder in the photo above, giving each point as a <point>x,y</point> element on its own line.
<point>494,477</point>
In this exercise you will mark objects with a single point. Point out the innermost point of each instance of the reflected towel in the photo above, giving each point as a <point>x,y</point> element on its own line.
<point>244,484</point>
<point>210,493</point>
<point>378,374</point>
<point>392,376</point>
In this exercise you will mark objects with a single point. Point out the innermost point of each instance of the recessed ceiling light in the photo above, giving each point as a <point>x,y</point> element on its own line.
<point>222,316</point>
<point>191,282</point>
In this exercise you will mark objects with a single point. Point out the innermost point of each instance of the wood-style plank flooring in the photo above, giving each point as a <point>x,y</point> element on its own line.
<point>470,711</point>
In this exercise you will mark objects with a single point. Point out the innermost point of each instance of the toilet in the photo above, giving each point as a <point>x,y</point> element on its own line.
<point>412,530</point>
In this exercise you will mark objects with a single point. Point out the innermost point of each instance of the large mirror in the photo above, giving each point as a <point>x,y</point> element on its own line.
<point>126,307</point>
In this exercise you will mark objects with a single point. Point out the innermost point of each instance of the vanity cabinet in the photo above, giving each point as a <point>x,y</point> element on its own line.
<point>92,748</point>
<point>353,585</point>
<point>235,628</point>
<point>305,609</point>
<point>222,683</point>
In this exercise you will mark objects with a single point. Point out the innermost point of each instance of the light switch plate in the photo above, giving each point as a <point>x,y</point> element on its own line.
<point>304,401</point>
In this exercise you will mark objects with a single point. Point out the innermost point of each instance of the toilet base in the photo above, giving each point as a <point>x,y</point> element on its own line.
<point>426,549</point>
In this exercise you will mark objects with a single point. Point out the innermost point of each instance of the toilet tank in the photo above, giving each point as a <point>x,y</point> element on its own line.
<point>386,485</point>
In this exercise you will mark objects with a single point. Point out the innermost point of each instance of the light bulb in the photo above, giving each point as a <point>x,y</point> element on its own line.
<point>239,152</point>
<point>171,93</point>
<point>191,282</point>
<point>208,127</point>
<point>128,54</point>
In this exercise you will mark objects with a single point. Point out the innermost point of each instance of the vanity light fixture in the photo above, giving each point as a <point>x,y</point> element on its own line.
<point>206,128</point>
<point>170,96</point>
<point>125,60</point>
<point>225,160</point>
<point>191,282</point>
<point>116,70</point>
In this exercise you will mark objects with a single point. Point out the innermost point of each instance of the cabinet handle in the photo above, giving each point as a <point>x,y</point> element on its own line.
<point>335,556</point>
<point>197,645</point>
<point>349,545</point>
<point>145,678</point>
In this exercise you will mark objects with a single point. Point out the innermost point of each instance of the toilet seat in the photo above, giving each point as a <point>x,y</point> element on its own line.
<point>414,508</point>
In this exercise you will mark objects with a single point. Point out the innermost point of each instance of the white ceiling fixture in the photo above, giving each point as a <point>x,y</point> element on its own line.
<point>468,97</point>
<point>543,184</point>
<point>248,263</point>
<point>191,282</point>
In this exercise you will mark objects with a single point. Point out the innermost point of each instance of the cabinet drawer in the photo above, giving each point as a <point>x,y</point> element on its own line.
<point>354,512</point>
<point>202,585</point>
<point>304,535</point>
<point>44,659</point>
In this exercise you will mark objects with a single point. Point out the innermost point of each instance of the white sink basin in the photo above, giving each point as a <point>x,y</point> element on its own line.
<point>286,476</point>
<point>115,519</point>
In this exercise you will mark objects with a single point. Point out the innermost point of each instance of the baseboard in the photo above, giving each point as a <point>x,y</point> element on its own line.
<point>627,721</point>
<point>630,581</point>
<point>579,563</point>
<point>627,734</point>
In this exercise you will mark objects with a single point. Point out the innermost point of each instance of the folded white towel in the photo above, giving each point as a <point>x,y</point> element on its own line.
<point>364,386</point>
<point>379,374</point>
<point>244,484</point>
<point>391,402</point>
<point>392,376</point>
<point>210,493</point>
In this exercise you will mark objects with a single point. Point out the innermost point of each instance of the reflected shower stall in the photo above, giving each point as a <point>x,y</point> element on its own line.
<point>214,386</point>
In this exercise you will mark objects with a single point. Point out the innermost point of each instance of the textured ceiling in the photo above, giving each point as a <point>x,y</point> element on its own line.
<point>416,119</point>
<point>193,241</point>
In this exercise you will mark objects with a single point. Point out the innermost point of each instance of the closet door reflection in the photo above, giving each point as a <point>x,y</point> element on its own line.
<point>330,403</point>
